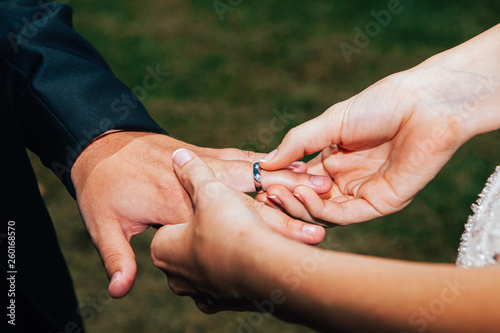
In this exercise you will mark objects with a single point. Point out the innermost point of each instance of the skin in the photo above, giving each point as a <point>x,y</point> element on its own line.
<point>125,183</point>
<point>381,147</point>
<point>326,290</point>
<point>385,144</point>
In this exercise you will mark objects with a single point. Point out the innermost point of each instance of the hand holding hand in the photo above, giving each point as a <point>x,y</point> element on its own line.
<point>125,183</point>
<point>381,146</point>
<point>202,258</point>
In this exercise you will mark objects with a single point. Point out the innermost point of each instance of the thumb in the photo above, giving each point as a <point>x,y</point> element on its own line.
<point>196,176</point>
<point>117,256</point>
<point>168,246</point>
<point>308,138</point>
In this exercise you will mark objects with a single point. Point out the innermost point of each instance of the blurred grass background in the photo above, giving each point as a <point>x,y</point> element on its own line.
<point>226,77</point>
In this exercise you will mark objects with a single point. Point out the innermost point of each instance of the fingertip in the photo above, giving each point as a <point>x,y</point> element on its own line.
<point>119,289</point>
<point>299,197</point>
<point>269,156</point>
<point>298,167</point>
<point>122,282</point>
<point>322,184</point>
<point>115,286</point>
<point>275,160</point>
<point>275,200</point>
<point>181,156</point>
<point>261,197</point>
<point>313,234</point>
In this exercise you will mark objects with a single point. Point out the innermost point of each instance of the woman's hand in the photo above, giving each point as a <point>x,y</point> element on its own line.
<point>204,259</point>
<point>227,258</point>
<point>385,144</point>
<point>125,183</point>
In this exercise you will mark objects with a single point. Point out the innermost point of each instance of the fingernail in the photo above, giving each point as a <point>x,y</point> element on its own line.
<point>181,156</point>
<point>298,196</point>
<point>269,156</point>
<point>275,199</point>
<point>116,277</point>
<point>296,165</point>
<point>309,230</point>
<point>318,180</point>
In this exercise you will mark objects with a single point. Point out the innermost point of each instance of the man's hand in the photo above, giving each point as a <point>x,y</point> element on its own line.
<point>125,183</point>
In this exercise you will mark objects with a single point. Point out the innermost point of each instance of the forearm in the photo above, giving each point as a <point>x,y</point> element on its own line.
<point>329,290</point>
<point>466,80</point>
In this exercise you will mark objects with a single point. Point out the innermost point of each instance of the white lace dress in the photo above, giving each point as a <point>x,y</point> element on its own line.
<point>480,245</point>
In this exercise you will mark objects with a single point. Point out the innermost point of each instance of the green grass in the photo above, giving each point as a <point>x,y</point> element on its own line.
<point>225,79</point>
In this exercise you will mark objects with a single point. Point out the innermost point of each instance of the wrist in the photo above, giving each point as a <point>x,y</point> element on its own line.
<point>465,80</point>
<point>269,266</point>
<point>98,149</point>
<point>256,258</point>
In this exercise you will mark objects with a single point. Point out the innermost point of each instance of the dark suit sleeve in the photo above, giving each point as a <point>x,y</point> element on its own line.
<point>62,90</point>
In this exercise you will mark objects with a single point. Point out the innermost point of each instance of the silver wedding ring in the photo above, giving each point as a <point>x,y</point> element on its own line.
<point>257,179</point>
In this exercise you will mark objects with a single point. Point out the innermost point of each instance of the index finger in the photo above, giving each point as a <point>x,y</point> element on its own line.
<point>308,138</point>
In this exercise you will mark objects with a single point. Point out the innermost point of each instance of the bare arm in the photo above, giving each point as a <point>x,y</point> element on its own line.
<point>385,144</point>
<point>227,258</point>
<point>334,291</point>
<point>125,183</point>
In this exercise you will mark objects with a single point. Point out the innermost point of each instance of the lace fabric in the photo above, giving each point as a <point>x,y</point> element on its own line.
<point>480,243</point>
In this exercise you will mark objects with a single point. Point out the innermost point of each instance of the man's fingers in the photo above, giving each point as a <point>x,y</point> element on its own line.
<point>290,180</point>
<point>239,176</point>
<point>117,257</point>
<point>233,154</point>
<point>308,138</point>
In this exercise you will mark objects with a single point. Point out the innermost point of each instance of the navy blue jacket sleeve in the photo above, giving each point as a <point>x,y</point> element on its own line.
<point>62,90</point>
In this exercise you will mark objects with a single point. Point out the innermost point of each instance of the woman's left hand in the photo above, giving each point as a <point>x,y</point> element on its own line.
<point>204,259</point>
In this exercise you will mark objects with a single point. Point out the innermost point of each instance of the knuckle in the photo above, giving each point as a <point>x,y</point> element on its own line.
<point>290,225</point>
<point>210,188</point>
<point>292,133</point>
<point>238,153</point>
<point>194,169</point>
<point>113,259</point>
